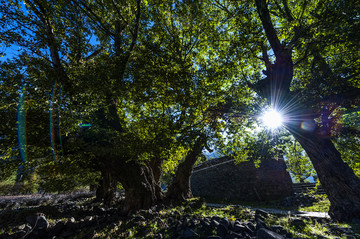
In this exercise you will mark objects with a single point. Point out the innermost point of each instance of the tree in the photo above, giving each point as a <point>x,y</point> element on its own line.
<point>300,35</point>
<point>144,94</point>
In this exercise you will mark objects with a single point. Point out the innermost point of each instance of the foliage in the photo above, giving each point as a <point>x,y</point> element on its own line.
<point>152,77</point>
<point>298,163</point>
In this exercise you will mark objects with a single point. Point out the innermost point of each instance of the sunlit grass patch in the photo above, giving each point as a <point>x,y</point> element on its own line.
<point>323,205</point>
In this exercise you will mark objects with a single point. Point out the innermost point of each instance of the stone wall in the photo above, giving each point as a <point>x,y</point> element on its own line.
<point>221,179</point>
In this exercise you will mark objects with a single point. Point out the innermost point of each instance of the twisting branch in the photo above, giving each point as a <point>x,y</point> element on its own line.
<point>134,39</point>
<point>95,18</point>
<point>304,57</point>
<point>288,14</point>
<point>265,58</point>
<point>118,12</point>
<point>268,26</point>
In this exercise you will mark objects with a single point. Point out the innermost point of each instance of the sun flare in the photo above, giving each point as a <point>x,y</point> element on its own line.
<point>272,119</point>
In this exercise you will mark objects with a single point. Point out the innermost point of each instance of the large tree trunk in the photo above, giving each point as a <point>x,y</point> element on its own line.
<point>156,167</point>
<point>340,183</point>
<point>106,191</point>
<point>180,190</point>
<point>140,187</point>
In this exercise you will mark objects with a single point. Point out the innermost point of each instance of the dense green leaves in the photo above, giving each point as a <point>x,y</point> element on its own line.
<point>151,77</point>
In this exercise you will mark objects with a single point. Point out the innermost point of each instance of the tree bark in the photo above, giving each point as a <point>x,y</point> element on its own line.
<point>340,183</point>
<point>106,191</point>
<point>180,190</point>
<point>156,167</point>
<point>140,187</point>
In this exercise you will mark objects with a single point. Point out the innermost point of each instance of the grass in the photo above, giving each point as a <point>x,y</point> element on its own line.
<point>160,224</point>
<point>321,206</point>
<point>165,221</point>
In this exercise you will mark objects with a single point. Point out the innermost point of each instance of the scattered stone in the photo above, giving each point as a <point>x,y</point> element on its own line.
<point>225,222</point>
<point>88,218</point>
<point>158,236</point>
<point>189,233</point>
<point>57,229</point>
<point>42,223</point>
<point>267,234</point>
<point>261,213</point>
<point>22,227</point>
<point>278,229</point>
<point>37,221</point>
<point>139,218</point>
<point>233,235</point>
<point>251,226</point>
<point>214,223</point>
<point>222,230</point>
<point>239,228</point>
<point>260,224</point>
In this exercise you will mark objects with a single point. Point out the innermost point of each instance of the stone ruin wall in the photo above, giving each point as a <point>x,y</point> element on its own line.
<point>222,179</point>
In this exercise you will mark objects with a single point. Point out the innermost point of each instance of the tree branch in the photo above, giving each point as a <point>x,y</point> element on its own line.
<point>288,14</point>
<point>271,35</point>
<point>89,12</point>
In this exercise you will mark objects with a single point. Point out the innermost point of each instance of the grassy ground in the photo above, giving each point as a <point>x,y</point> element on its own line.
<point>167,221</point>
<point>160,225</point>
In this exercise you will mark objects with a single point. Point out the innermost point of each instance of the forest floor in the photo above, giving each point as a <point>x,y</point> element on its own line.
<point>79,216</point>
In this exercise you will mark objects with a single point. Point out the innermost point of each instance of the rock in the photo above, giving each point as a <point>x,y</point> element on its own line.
<point>37,221</point>
<point>139,218</point>
<point>239,228</point>
<point>261,213</point>
<point>214,223</point>
<point>251,226</point>
<point>225,222</point>
<point>189,233</point>
<point>22,227</point>
<point>204,222</point>
<point>32,219</point>
<point>297,222</point>
<point>216,218</point>
<point>233,235</point>
<point>260,224</point>
<point>221,230</point>
<point>42,223</point>
<point>88,218</point>
<point>278,229</point>
<point>158,236</point>
<point>267,234</point>
<point>57,229</point>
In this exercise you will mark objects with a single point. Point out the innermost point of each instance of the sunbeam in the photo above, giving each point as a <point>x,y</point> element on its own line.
<point>272,119</point>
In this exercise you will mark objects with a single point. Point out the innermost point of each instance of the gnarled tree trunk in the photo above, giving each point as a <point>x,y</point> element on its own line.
<point>180,190</point>
<point>340,183</point>
<point>140,187</point>
<point>156,167</point>
<point>106,191</point>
